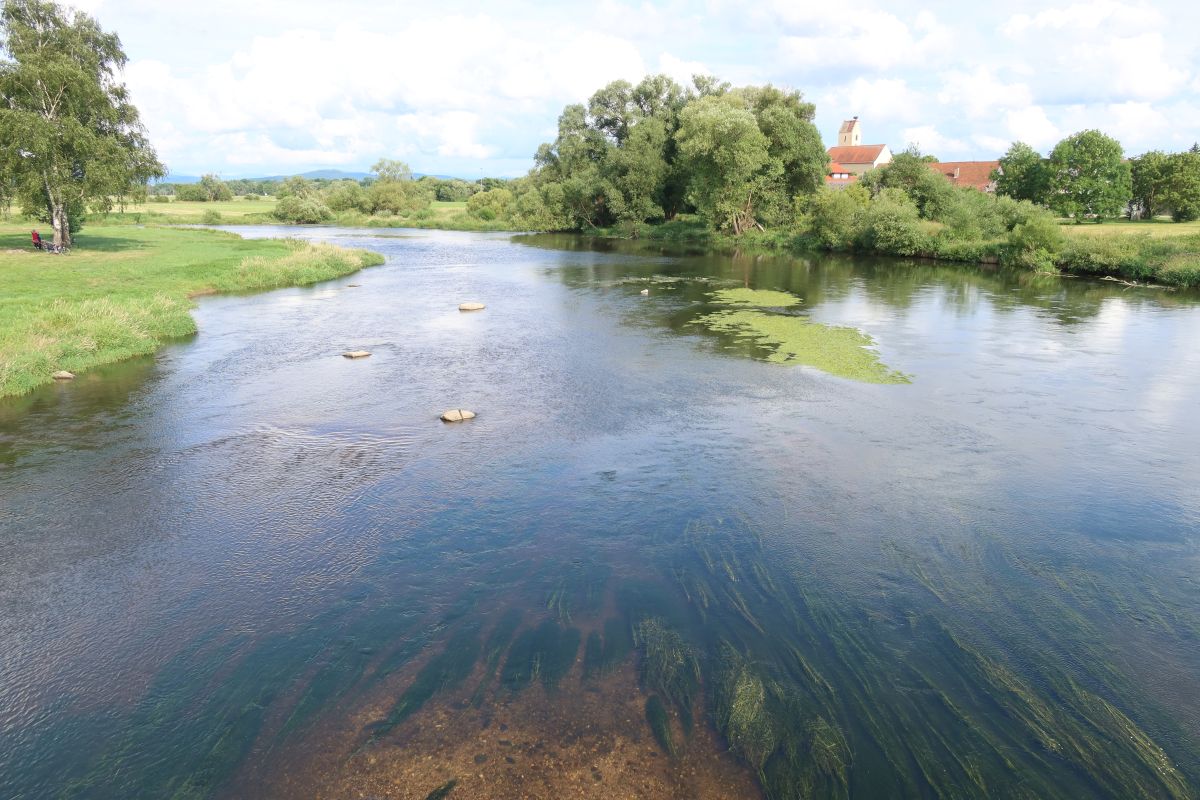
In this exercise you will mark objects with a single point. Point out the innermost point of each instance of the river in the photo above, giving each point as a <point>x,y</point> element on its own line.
<point>658,563</point>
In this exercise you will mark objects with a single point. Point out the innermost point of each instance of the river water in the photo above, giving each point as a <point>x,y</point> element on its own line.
<point>656,564</point>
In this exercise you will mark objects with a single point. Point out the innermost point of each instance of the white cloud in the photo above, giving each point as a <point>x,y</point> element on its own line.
<point>1032,126</point>
<point>980,94</point>
<point>876,100</point>
<point>867,38</point>
<point>680,70</point>
<point>369,94</point>
<point>1083,17</point>
<point>930,140</point>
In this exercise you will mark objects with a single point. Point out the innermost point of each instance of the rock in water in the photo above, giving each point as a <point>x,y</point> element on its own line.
<point>471,306</point>
<point>63,375</point>
<point>645,291</point>
<point>457,415</point>
<point>356,354</point>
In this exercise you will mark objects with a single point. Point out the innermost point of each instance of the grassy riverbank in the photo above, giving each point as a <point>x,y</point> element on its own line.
<point>125,290</point>
<point>1162,253</point>
<point>259,211</point>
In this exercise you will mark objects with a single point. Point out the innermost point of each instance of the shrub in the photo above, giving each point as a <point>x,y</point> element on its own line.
<point>302,210</point>
<point>211,217</point>
<point>1035,243</point>
<point>343,196</point>
<point>835,216</point>
<point>490,205</point>
<point>891,224</point>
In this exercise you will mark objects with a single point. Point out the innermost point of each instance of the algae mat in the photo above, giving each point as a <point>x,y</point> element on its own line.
<point>791,339</point>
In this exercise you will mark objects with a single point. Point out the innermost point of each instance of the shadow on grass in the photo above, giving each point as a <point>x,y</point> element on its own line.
<point>82,241</point>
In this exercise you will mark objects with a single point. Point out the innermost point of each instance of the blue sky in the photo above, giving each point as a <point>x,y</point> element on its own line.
<point>470,89</point>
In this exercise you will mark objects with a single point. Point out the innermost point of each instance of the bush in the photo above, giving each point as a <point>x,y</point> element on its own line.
<point>211,217</point>
<point>892,225</point>
<point>490,205</point>
<point>1035,243</point>
<point>399,197</point>
<point>342,196</point>
<point>834,216</point>
<point>302,210</point>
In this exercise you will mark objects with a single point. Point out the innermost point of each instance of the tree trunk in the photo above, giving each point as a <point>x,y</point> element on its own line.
<point>62,227</point>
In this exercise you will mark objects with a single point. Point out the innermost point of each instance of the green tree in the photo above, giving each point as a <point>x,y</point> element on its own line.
<point>214,189</point>
<point>910,171</point>
<point>728,159</point>
<point>1182,193</point>
<point>68,134</point>
<point>1089,176</point>
<point>387,169</point>
<point>1150,174</point>
<point>1023,174</point>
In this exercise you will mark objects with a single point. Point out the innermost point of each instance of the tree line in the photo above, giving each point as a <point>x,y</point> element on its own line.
<point>1087,176</point>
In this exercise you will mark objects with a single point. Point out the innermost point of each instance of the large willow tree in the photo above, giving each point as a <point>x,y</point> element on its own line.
<point>69,136</point>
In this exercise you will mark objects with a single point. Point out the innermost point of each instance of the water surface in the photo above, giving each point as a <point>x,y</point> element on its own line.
<point>248,566</point>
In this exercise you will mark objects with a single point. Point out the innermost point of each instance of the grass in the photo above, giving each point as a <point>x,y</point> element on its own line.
<point>240,211</point>
<point>124,290</point>
<point>1158,228</point>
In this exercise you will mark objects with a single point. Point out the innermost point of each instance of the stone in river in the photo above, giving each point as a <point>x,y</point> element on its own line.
<point>471,306</point>
<point>645,291</point>
<point>63,375</point>
<point>457,415</point>
<point>356,354</point>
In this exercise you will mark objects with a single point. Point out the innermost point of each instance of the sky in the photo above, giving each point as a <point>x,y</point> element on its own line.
<point>470,89</point>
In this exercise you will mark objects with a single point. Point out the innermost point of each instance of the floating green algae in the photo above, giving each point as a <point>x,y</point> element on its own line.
<point>759,298</point>
<point>796,340</point>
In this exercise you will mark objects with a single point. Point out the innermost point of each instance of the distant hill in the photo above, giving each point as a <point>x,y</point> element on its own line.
<point>325,174</point>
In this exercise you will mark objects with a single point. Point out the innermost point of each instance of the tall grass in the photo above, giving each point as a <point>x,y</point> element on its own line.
<point>124,291</point>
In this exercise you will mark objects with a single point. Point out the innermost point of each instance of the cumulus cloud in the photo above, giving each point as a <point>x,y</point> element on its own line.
<point>477,88</point>
<point>1032,126</point>
<point>930,140</point>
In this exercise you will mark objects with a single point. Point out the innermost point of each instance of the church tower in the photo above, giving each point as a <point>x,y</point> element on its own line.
<point>850,134</point>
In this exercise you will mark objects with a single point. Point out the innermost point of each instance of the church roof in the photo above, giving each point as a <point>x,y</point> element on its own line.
<point>848,125</point>
<point>856,154</point>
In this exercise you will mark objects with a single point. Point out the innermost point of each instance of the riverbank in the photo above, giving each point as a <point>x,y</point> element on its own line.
<point>260,211</point>
<point>125,290</point>
<point>1166,254</point>
<point>1153,252</point>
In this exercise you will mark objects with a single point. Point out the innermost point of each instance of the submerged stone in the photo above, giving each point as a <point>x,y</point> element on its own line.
<point>457,415</point>
<point>356,354</point>
<point>63,375</point>
<point>471,306</point>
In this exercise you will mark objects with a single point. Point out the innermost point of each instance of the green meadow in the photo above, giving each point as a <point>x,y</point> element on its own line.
<point>124,290</point>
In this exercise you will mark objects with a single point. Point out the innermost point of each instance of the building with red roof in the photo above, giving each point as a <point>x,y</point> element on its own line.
<point>976,174</point>
<point>852,157</point>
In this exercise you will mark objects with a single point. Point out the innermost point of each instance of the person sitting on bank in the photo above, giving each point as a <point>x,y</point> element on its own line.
<point>37,241</point>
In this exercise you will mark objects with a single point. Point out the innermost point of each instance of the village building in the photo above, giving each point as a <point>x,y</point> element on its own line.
<point>975,174</point>
<point>851,158</point>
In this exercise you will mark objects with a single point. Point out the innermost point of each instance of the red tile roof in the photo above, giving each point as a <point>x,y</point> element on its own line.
<point>856,154</point>
<point>835,167</point>
<point>976,174</point>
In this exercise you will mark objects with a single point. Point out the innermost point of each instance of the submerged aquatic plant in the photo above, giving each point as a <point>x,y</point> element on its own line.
<point>660,724</point>
<point>546,653</point>
<point>669,664</point>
